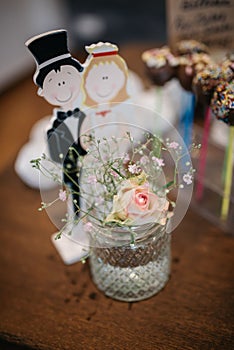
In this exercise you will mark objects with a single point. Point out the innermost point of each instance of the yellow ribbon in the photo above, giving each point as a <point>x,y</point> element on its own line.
<point>228,177</point>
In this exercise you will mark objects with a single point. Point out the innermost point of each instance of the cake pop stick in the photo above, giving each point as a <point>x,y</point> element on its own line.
<point>228,65</point>
<point>225,161</point>
<point>193,57</point>
<point>204,84</point>
<point>186,121</point>
<point>160,68</point>
<point>228,176</point>
<point>222,106</point>
<point>203,156</point>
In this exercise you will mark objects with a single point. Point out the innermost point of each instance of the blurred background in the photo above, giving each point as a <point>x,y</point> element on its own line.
<point>118,21</point>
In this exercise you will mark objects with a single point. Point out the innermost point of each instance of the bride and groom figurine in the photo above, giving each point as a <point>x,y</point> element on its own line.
<point>61,79</point>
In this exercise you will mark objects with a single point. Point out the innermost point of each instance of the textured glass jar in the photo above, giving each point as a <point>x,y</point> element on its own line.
<point>130,269</point>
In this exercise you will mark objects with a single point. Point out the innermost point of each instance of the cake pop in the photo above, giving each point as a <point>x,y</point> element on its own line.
<point>206,80</point>
<point>189,66</point>
<point>193,56</point>
<point>185,47</point>
<point>160,65</point>
<point>222,103</point>
<point>228,62</point>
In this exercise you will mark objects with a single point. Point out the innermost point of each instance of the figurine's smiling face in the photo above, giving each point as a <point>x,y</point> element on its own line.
<point>61,87</point>
<point>104,81</point>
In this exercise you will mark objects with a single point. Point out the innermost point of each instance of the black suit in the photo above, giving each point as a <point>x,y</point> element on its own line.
<point>60,139</point>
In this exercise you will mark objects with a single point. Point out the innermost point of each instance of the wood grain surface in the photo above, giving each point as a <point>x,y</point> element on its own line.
<point>49,306</point>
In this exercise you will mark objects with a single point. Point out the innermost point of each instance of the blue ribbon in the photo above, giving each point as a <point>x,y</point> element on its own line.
<point>187,118</point>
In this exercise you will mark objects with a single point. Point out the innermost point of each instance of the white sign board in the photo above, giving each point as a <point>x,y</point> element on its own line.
<point>207,21</point>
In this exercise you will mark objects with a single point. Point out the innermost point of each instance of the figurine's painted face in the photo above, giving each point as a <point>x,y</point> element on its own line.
<point>61,87</point>
<point>104,81</point>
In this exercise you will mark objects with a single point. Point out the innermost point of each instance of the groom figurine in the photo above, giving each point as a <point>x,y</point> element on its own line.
<point>58,76</point>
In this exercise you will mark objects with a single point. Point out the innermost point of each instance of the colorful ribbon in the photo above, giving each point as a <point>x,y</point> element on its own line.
<point>186,122</point>
<point>228,177</point>
<point>203,155</point>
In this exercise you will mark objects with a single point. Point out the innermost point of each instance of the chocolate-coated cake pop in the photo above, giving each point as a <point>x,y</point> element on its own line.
<point>228,62</point>
<point>187,47</point>
<point>193,56</point>
<point>222,103</point>
<point>189,66</point>
<point>206,81</point>
<point>160,65</point>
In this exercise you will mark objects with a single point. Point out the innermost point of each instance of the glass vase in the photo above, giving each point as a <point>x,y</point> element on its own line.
<point>130,265</point>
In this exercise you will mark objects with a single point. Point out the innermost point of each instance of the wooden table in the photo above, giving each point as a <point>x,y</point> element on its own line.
<point>49,306</point>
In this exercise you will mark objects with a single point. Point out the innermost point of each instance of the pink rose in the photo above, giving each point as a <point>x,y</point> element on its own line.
<point>137,205</point>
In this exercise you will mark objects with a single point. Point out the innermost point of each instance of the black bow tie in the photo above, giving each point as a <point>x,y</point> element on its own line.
<point>61,116</point>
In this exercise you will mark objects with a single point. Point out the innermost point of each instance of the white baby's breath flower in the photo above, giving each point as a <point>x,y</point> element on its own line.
<point>92,179</point>
<point>88,227</point>
<point>134,169</point>
<point>173,145</point>
<point>144,160</point>
<point>126,158</point>
<point>62,195</point>
<point>188,179</point>
<point>158,161</point>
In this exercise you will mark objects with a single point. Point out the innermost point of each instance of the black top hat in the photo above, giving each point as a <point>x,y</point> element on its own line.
<point>50,51</point>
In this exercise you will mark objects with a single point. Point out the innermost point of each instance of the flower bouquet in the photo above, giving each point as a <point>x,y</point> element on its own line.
<point>128,188</point>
